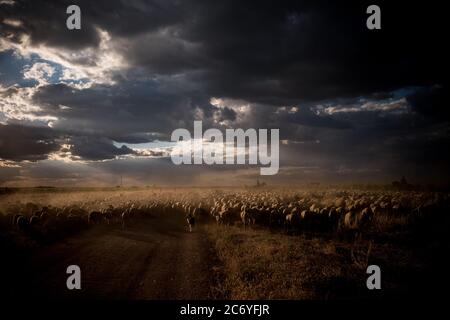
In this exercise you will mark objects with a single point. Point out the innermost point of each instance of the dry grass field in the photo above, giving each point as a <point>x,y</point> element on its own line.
<point>247,243</point>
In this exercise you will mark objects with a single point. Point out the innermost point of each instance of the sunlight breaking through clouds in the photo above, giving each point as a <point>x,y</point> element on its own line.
<point>41,72</point>
<point>107,94</point>
<point>16,104</point>
<point>98,65</point>
<point>398,106</point>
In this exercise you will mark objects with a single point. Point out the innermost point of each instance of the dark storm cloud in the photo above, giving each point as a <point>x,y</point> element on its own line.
<point>382,143</point>
<point>276,54</point>
<point>306,116</point>
<point>303,54</point>
<point>95,148</point>
<point>45,20</point>
<point>20,143</point>
<point>119,111</point>
<point>432,102</point>
<point>136,138</point>
<point>165,53</point>
<point>226,114</point>
<point>260,53</point>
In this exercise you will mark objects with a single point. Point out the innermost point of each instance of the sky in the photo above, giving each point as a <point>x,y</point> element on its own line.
<point>93,106</point>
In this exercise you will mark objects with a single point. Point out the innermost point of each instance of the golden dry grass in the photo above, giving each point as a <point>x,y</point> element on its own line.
<point>259,264</point>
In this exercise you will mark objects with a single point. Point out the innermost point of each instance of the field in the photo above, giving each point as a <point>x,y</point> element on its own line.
<point>249,243</point>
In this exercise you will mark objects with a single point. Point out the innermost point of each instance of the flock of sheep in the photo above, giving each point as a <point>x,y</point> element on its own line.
<point>47,222</point>
<point>350,212</point>
<point>354,212</point>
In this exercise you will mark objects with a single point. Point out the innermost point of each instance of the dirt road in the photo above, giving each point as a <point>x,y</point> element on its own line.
<point>157,259</point>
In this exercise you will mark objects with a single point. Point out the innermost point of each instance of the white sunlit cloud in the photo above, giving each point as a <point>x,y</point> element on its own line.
<point>290,110</point>
<point>12,23</point>
<point>193,146</point>
<point>396,106</point>
<point>201,147</point>
<point>103,61</point>
<point>50,65</point>
<point>241,108</point>
<point>154,149</point>
<point>7,2</point>
<point>64,154</point>
<point>18,106</point>
<point>8,164</point>
<point>40,71</point>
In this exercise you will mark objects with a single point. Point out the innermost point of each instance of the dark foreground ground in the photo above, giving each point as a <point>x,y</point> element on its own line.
<point>157,259</point>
